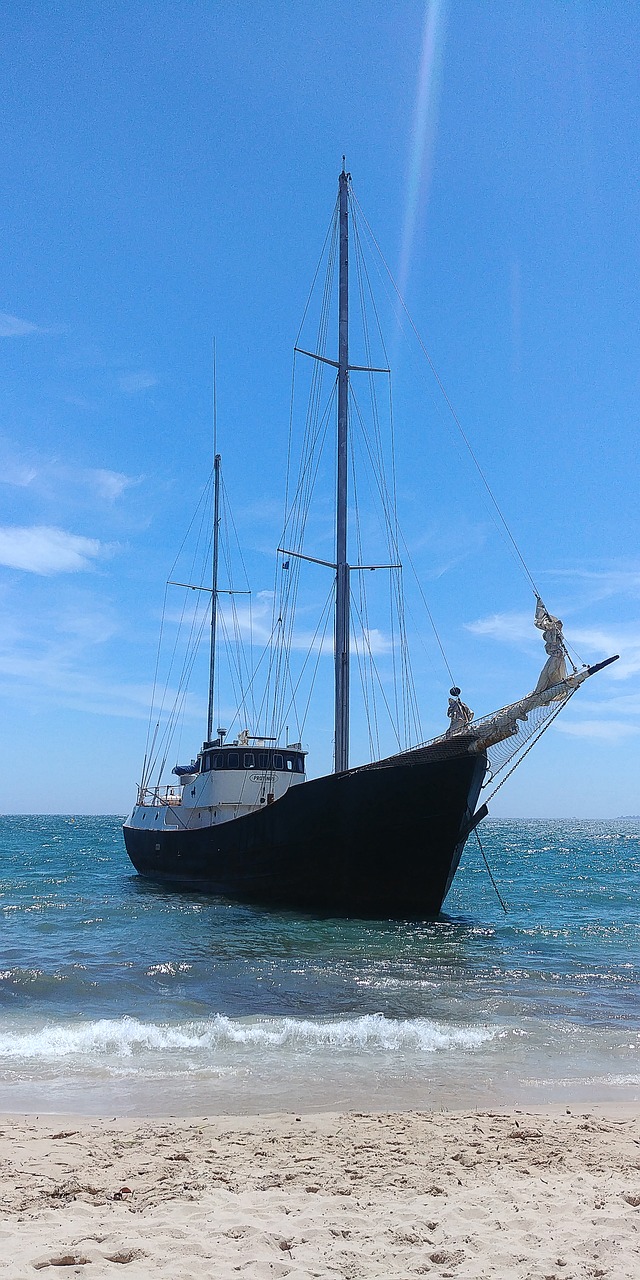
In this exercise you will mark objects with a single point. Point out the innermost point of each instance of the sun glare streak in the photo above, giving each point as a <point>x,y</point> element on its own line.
<point>423,131</point>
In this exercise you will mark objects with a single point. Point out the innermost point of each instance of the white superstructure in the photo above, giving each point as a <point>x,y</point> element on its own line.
<point>228,780</point>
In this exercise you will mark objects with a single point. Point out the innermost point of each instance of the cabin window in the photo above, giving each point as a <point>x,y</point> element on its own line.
<point>208,763</point>
<point>249,761</point>
<point>278,762</point>
<point>289,763</point>
<point>218,761</point>
<point>299,764</point>
<point>262,760</point>
<point>233,760</point>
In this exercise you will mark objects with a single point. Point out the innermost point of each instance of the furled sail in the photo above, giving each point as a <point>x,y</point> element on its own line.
<point>555,668</point>
<point>506,723</point>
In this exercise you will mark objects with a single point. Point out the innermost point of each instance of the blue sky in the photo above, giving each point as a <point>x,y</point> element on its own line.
<point>168,173</point>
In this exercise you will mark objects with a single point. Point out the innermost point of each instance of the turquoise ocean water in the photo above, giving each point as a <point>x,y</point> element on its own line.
<point>119,997</point>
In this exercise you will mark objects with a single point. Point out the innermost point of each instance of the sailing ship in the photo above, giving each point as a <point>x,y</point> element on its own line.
<point>382,838</point>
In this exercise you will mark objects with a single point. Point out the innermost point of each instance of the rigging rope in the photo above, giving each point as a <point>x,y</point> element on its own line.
<point>323,616</point>
<point>484,858</point>
<point>286,587</point>
<point>162,743</point>
<point>374,668</point>
<point>514,546</point>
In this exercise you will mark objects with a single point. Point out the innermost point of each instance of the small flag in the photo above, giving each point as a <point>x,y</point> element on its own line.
<point>285,564</point>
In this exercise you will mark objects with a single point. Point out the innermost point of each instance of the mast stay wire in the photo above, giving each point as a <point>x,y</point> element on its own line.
<point>395,548</point>
<point>331,229</point>
<point>151,740</point>
<point>410,708</point>
<point>149,749</point>
<point>180,697</point>
<point>394,535</point>
<point>388,497</point>
<point>243,662</point>
<point>427,609</point>
<point>188,661</point>
<point>379,450</point>
<point>363,667</point>
<point>285,590</point>
<point>319,655</point>
<point>265,651</point>
<point>407,681</point>
<point>513,544</point>
<point>295,524</point>
<point>291,706</point>
<point>316,387</point>
<point>324,616</point>
<point>289,587</point>
<point>168,730</point>
<point>374,667</point>
<point>331,238</point>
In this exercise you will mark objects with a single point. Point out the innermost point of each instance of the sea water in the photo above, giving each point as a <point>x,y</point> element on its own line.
<point>118,996</point>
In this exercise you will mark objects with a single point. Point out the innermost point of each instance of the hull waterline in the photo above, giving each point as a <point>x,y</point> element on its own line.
<point>382,841</point>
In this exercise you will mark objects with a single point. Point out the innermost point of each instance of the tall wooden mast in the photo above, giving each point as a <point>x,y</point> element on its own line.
<point>341,755</point>
<point>214,593</point>
<point>214,565</point>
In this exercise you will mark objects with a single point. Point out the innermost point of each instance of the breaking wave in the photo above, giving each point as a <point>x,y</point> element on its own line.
<point>126,1037</point>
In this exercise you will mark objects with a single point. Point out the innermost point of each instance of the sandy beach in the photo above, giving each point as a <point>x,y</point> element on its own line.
<point>517,1193</point>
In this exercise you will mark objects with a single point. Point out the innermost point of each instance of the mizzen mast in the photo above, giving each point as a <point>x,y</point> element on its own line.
<point>341,751</point>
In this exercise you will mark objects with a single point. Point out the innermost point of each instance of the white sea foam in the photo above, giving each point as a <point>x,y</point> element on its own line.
<point>126,1037</point>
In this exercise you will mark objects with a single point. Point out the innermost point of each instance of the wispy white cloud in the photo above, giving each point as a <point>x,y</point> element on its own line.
<point>14,327</point>
<point>81,402</point>
<point>50,660</point>
<point>45,550</point>
<point>603,583</point>
<point>602,642</point>
<point>444,550</point>
<point>512,628</point>
<point>52,477</point>
<point>108,484</point>
<point>142,380</point>
<point>603,730</point>
<point>373,642</point>
<point>619,704</point>
<point>17,474</point>
<point>27,676</point>
<point>87,622</point>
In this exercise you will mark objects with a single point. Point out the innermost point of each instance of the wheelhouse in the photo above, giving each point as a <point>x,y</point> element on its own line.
<point>282,760</point>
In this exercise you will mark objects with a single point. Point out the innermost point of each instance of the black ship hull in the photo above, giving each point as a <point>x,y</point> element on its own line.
<point>383,841</point>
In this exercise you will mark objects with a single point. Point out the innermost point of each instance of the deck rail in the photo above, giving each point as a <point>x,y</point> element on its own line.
<point>154,796</point>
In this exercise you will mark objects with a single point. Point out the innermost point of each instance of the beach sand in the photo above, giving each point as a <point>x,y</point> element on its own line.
<point>515,1193</point>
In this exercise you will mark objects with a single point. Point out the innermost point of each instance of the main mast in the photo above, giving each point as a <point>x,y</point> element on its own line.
<point>214,593</point>
<point>341,756</point>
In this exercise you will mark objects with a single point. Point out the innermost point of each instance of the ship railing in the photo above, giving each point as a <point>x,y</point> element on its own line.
<point>155,796</point>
